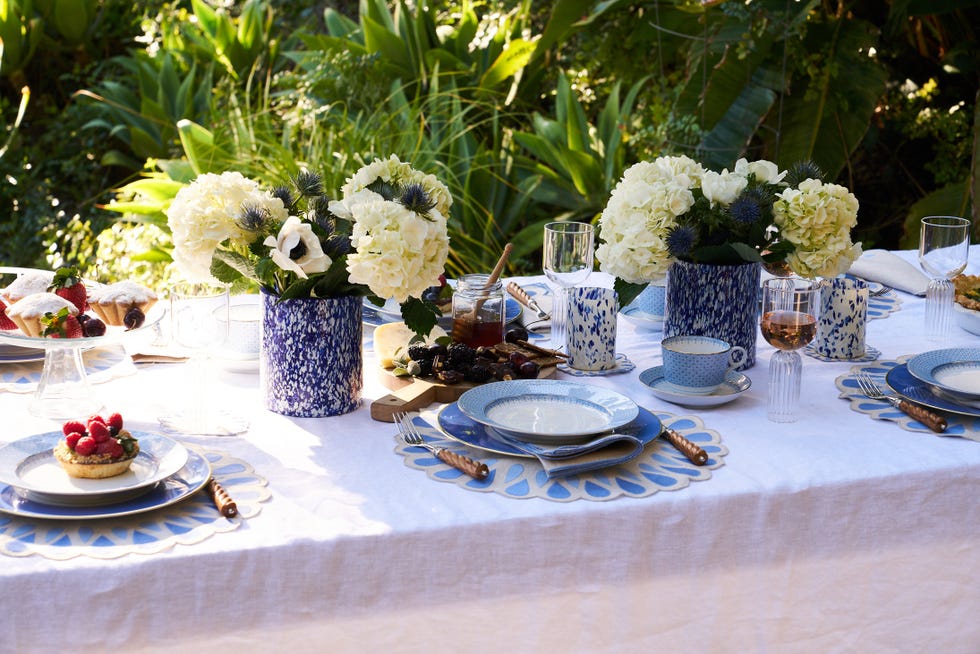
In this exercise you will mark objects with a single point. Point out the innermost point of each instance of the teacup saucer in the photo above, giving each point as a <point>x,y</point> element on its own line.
<point>735,385</point>
<point>623,364</point>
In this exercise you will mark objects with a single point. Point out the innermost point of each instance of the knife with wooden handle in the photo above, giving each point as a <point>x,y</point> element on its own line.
<point>692,451</point>
<point>222,500</point>
<point>933,421</point>
<point>522,296</point>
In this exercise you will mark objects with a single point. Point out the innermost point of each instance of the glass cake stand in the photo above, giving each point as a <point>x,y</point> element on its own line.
<point>64,390</point>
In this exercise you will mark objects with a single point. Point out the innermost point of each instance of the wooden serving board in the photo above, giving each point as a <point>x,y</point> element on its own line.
<point>414,393</point>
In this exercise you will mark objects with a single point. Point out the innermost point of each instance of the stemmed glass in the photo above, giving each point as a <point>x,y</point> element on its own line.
<point>944,246</point>
<point>789,321</point>
<point>567,261</point>
<point>199,323</point>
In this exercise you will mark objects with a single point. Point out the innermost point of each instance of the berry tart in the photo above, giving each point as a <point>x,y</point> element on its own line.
<point>122,303</point>
<point>96,449</point>
<point>27,312</point>
<point>27,284</point>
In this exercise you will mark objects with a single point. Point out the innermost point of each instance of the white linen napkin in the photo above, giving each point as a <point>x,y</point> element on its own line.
<point>565,460</point>
<point>891,270</point>
<point>529,319</point>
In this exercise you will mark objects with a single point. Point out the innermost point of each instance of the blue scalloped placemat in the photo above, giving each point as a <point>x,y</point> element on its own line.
<point>958,425</point>
<point>659,467</point>
<point>184,523</point>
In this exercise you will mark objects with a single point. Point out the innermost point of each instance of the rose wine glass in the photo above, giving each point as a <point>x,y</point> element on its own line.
<point>789,321</point>
<point>567,261</point>
<point>944,246</point>
<point>199,323</point>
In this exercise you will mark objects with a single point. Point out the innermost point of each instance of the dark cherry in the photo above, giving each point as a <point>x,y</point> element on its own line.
<point>529,370</point>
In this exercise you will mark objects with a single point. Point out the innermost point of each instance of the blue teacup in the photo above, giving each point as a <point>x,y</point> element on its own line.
<point>652,299</point>
<point>697,365</point>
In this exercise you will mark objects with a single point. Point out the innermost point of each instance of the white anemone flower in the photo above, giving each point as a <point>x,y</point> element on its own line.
<point>292,234</point>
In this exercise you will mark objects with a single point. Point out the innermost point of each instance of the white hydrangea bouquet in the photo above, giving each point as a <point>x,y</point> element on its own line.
<point>385,238</point>
<point>673,209</point>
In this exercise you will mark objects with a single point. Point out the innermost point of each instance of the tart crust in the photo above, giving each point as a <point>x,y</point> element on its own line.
<point>94,466</point>
<point>965,284</point>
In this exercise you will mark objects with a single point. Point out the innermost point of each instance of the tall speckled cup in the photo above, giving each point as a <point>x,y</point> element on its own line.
<point>591,337</point>
<point>843,319</point>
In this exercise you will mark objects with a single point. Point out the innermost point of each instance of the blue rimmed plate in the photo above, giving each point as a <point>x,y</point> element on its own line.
<point>900,380</point>
<point>954,370</point>
<point>29,466</point>
<point>179,486</point>
<point>643,320</point>
<point>547,411</point>
<point>458,426</point>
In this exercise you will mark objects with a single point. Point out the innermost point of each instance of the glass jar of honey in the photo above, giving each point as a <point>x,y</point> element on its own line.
<point>478,311</point>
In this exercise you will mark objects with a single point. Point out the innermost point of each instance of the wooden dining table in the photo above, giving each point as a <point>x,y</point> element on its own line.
<point>850,530</point>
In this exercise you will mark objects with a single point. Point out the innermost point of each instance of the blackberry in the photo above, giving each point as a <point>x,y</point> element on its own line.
<point>419,352</point>
<point>425,368</point>
<point>478,373</point>
<point>461,356</point>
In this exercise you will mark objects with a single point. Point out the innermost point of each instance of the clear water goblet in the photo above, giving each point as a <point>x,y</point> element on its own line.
<point>199,323</point>
<point>567,261</point>
<point>789,321</point>
<point>944,247</point>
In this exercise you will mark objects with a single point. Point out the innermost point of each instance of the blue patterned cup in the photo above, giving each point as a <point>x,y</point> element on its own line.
<point>697,365</point>
<point>843,319</point>
<point>591,338</point>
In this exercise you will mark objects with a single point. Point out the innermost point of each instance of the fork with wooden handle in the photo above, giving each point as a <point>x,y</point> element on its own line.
<point>870,388</point>
<point>412,436</point>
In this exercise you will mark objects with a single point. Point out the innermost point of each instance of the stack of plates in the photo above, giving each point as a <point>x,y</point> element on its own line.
<point>542,412</point>
<point>948,380</point>
<point>33,483</point>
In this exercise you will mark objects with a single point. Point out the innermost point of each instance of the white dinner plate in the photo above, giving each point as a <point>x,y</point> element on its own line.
<point>547,411</point>
<point>734,386</point>
<point>954,370</point>
<point>179,486</point>
<point>29,466</point>
<point>967,319</point>
<point>460,427</point>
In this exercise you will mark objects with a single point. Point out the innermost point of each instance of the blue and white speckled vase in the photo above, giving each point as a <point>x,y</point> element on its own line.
<point>311,362</point>
<point>717,301</point>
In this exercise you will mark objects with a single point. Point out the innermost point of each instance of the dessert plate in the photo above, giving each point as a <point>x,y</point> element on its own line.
<point>18,354</point>
<point>547,411</point>
<point>954,370</point>
<point>460,427</point>
<point>900,380</point>
<point>112,335</point>
<point>185,482</point>
<point>735,385</point>
<point>29,466</point>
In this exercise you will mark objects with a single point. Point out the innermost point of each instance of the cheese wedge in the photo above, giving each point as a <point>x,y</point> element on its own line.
<point>391,340</point>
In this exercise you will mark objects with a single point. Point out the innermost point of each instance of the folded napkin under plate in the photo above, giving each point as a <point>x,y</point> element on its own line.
<point>891,270</point>
<point>562,460</point>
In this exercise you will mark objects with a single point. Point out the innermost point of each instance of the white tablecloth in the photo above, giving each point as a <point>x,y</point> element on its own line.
<point>837,533</point>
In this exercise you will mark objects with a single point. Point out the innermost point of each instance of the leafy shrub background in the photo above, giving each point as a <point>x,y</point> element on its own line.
<point>528,110</point>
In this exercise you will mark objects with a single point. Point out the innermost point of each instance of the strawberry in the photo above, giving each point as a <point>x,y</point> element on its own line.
<point>99,431</point>
<point>5,322</point>
<point>68,284</point>
<point>72,439</point>
<point>115,423</point>
<point>60,325</point>
<point>73,425</point>
<point>85,446</point>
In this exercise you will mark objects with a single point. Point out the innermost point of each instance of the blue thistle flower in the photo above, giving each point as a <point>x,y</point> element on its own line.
<point>253,218</point>
<point>802,171</point>
<point>284,194</point>
<point>680,241</point>
<point>309,184</point>
<point>745,209</point>
<point>415,198</point>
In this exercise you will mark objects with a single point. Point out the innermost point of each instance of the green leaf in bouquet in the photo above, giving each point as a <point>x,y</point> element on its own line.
<point>420,316</point>
<point>627,291</point>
